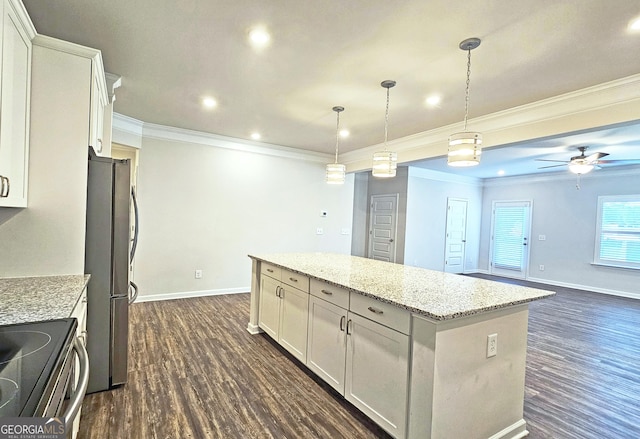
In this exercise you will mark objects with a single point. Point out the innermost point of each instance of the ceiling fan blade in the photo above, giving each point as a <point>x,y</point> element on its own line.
<point>545,160</point>
<point>618,162</point>
<point>595,156</point>
<point>552,166</point>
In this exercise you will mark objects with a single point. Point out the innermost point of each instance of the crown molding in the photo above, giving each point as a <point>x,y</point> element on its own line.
<point>23,16</point>
<point>625,171</point>
<point>597,106</point>
<point>125,127</point>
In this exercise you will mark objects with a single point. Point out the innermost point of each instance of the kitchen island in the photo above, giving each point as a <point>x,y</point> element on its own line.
<point>424,354</point>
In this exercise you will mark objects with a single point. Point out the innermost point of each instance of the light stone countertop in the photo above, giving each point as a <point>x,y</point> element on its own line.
<point>31,299</point>
<point>435,294</point>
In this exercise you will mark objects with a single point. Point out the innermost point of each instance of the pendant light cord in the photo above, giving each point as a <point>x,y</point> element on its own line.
<point>466,98</point>
<point>337,134</point>
<point>386,121</point>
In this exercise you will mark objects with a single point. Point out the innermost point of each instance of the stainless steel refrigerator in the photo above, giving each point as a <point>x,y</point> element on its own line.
<point>107,259</point>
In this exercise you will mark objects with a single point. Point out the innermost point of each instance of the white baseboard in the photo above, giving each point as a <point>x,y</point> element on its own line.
<point>188,294</point>
<point>626,294</point>
<point>517,430</point>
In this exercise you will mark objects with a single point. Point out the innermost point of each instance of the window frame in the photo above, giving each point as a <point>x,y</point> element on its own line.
<point>597,260</point>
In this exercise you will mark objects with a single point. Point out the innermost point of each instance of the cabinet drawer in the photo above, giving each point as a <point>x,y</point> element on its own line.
<point>331,293</point>
<point>381,312</point>
<point>270,270</point>
<point>296,280</point>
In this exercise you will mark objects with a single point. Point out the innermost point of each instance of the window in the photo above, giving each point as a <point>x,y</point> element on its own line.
<point>618,231</point>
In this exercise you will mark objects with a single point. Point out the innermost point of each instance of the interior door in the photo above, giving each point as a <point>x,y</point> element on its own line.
<point>510,238</point>
<point>455,241</point>
<point>383,216</point>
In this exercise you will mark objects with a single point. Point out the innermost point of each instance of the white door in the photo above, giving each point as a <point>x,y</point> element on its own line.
<point>510,238</point>
<point>456,235</point>
<point>383,215</point>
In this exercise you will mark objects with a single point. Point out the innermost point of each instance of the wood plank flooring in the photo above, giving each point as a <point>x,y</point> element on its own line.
<point>195,372</point>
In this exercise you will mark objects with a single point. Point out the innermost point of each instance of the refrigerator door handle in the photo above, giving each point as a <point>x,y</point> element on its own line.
<point>133,287</point>
<point>134,245</point>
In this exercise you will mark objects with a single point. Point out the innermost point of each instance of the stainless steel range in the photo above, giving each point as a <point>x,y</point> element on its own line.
<point>37,370</point>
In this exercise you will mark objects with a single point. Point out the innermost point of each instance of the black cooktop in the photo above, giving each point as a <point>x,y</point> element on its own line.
<point>31,355</point>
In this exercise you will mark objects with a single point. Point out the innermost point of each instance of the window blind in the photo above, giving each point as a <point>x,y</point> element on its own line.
<point>508,248</point>
<point>618,237</point>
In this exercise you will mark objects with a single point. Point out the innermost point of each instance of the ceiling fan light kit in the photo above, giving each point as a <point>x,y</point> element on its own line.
<point>464,147</point>
<point>385,162</point>
<point>335,172</point>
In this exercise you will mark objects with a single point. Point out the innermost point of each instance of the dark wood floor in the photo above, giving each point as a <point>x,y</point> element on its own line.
<point>195,372</point>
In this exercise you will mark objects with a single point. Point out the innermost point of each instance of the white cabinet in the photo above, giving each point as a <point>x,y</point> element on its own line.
<point>364,359</point>
<point>327,342</point>
<point>98,104</point>
<point>284,310</point>
<point>15,77</point>
<point>377,373</point>
<point>80,313</point>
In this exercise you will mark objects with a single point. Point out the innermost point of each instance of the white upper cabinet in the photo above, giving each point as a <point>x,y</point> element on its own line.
<point>15,92</point>
<point>98,104</point>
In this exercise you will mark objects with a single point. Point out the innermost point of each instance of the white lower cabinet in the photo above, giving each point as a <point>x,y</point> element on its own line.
<point>284,312</point>
<point>363,360</point>
<point>327,345</point>
<point>377,373</point>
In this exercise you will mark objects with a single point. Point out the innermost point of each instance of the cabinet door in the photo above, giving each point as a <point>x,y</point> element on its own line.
<point>269,317</point>
<point>96,116</point>
<point>377,373</point>
<point>327,342</point>
<point>294,316</point>
<point>15,110</point>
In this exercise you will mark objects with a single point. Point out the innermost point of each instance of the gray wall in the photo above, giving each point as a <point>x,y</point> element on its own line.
<point>426,224</point>
<point>568,219</point>
<point>203,207</point>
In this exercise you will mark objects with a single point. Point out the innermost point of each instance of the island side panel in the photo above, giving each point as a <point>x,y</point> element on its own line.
<point>468,394</point>
<point>254,311</point>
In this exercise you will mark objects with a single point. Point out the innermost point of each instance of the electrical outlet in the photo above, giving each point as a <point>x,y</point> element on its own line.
<point>319,231</point>
<point>492,345</point>
<point>345,231</point>
<point>542,237</point>
<point>541,267</point>
<point>198,274</point>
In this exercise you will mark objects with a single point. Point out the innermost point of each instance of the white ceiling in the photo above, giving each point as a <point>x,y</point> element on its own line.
<point>327,53</point>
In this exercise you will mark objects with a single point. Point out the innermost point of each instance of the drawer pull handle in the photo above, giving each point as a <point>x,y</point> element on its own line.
<point>328,293</point>
<point>269,270</point>
<point>342,323</point>
<point>293,279</point>
<point>375,310</point>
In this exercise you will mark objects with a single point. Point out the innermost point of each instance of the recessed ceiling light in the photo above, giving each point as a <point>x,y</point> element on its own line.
<point>433,100</point>
<point>209,102</point>
<point>344,133</point>
<point>501,172</point>
<point>259,37</point>
<point>634,25</point>
<point>255,136</point>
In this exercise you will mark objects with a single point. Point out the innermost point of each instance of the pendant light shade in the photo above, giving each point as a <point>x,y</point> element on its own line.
<point>335,173</point>
<point>465,147</point>
<point>385,162</point>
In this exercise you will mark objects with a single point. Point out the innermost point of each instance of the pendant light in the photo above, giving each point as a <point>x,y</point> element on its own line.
<point>464,147</point>
<point>385,162</point>
<point>335,171</point>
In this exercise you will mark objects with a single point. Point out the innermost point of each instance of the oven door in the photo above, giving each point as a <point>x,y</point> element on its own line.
<point>66,398</point>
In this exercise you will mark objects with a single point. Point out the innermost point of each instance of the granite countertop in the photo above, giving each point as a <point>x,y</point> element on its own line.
<point>31,299</point>
<point>435,294</point>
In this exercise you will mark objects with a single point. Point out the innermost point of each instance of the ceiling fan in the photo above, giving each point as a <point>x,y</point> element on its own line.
<point>581,164</point>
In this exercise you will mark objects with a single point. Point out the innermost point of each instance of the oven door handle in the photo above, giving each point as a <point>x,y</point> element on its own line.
<point>81,389</point>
